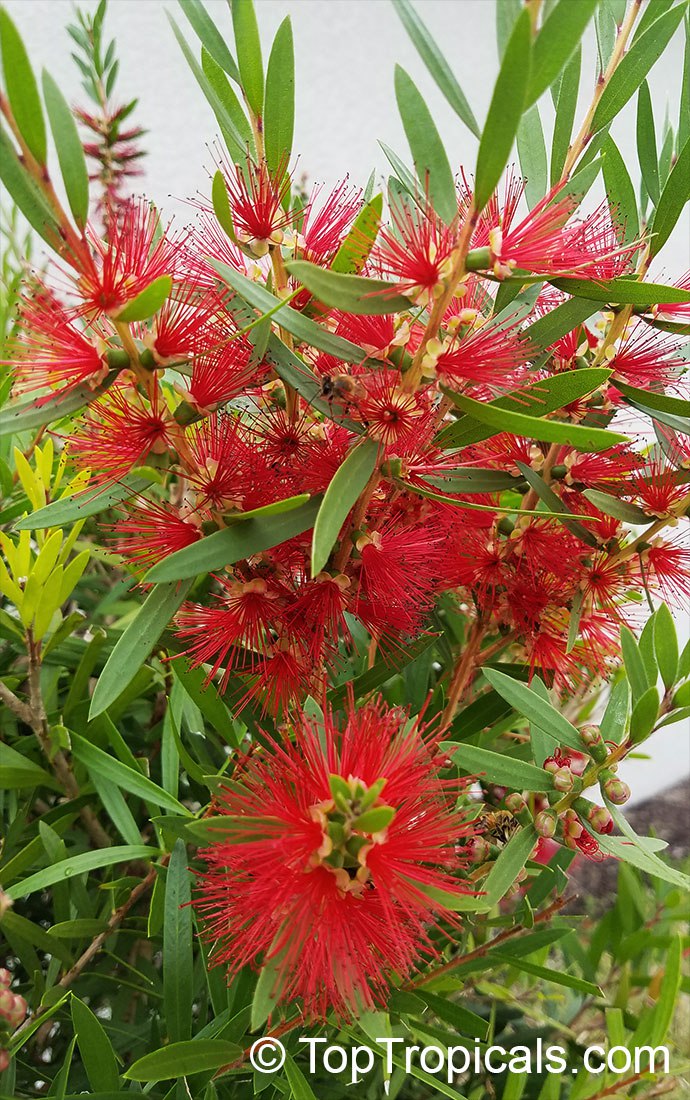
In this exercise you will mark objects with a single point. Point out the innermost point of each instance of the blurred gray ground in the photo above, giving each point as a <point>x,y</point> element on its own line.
<point>666,815</point>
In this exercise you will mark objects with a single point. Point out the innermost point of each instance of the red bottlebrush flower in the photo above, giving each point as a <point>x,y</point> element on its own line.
<point>391,415</point>
<point>317,616</point>
<point>545,244</point>
<point>128,261</point>
<point>218,456</point>
<point>491,355</point>
<point>151,531</point>
<point>648,358</point>
<point>667,564</point>
<point>242,619</point>
<point>51,350</point>
<point>256,200</point>
<point>187,322</point>
<point>399,573</point>
<point>657,488</point>
<point>415,251</point>
<point>337,842</point>
<point>496,212</point>
<point>323,229</point>
<point>607,469</point>
<point>680,311</point>
<point>210,241</point>
<point>375,333</point>
<point>120,430</point>
<point>220,375</point>
<point>607,579</point>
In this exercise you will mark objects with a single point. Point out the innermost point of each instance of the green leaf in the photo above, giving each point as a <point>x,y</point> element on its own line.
<point>79,865</point>
<point>667,1001</point>
<point>505,111</point>
<point>210,36</point>
<point>532,401</point>
<point>248,46</point>
<point>619,509</point>
<point>349,293</point>
<point>646,143</point>
<point>623,291</point>
<point>69,148</point>
<point>578,436</point>
<point>669,410</point>
<point>22,90</point>
<point>206,698</point>
<point>666,645</point>
<point>178,987</point>
<point>356,248</point>
<point>183,1059</point>
<point>136,643</point>
<point>556,42</point>
<point>532,153</point>
<point>343,490</point>
<point>633,68</point>
<point>238,138</point>
<point>16,771</point>
<point>559,321</point>
<point>634,664</point>
<point>240,540</point>
<point>95,1048</point>
<point>548,974</point>
<point>88,502</point>
<point>674,196</point>
<point>498,768</point>
<point>429,156</point>
<point>555,504</point>
<point>26,194</point>
<point>148,301</point>
<point>436,64</point>
<point>22,416</point>
<point>615,720</point>
<point>511,860</point>
<point>300,1089</point>
<point>118,773</point>
<point>644,715</point>
<point>566,105</point>
<point>303,328</point>
<point>526,701</point>
<point>265,994</point>
<point>381,671</point>
<point>621,194</point>
<point>462,1020</point>
<point>279,111</point>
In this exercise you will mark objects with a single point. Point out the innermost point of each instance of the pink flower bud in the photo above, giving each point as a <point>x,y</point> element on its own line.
<point>4,1060</point>
<point>515,803</point>
<point>18,1011</point>
<point>563,780</point>
<point>545,824</point>
<point>6,1003</point>
<point>572,826</point>
<point>616,791</point>
<point>478,849</point>
<point>5,978</point>
<point>600,819</point>
<point>591,735</point>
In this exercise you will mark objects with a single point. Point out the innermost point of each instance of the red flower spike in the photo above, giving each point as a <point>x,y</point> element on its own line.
<point>648,359</point>
<point>667,565</point>
<point>391,415</point>
<point>415,251</point>
<point>219,452</point>
<point>256,200</point>
<point>337,908</point>
<point>323,229</point>
<point>120,431</point>
<point>51,350</point>
<point>220,375</point>
<point>151,531</point>
<point>130,260</point>
<point>493,355</point>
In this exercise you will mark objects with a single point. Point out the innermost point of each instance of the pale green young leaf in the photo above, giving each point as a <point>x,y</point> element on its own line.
<point>532,154</point>
<point>279,109</point>
<point>248,46</point>
<point>22,90</point>
<point>69,148</point>
<point>430,158</point>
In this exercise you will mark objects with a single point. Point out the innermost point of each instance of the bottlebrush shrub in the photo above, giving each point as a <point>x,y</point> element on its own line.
<point>339,536</point>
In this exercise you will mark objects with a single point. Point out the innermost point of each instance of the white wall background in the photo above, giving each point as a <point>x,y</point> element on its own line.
<point>345,53</point>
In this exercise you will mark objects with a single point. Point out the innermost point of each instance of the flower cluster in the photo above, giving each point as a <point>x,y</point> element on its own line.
<point>336,855</point>
<point>13,1009</point>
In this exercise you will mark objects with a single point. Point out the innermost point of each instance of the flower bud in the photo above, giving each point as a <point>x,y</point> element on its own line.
<point>6,1003</point>
<point>563,780</point>
<point>572,826</point>
<point>18,1011</point>
<point>515,803</point>
<point>4,1060</point>
<point>5,978</point>
<point>600,819</point>
<point>478,849</point>
<point>545,824</point>
<point>591,735</point>
<point>616,791</point>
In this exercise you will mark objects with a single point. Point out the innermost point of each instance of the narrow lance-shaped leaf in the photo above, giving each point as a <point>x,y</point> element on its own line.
<point>505,111</point>
<point>646,143</point>
<point>136,643</point>
<point>248,45</point>
<point>351,293</point>
<point>556,42</point>
<point>22,90</point>
<point>148,301</point>
<point>532,154</point>
<point>355,249</point>
<point>178,1060</point>
<point>526,701</point>
<point>429,156</point>
<point>70,151</point>
<point>633,68</point>
<point>25,193</point>
<point>624,291</point>
<point>210,36</point>
<point>177,947</point>
<point>436,63</point>
<point>621,194</point>
<point>675,195</point>
<point>279,110</point>
<point>340,496</point>
<point>566,105</point>
<point>97,1055</point>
